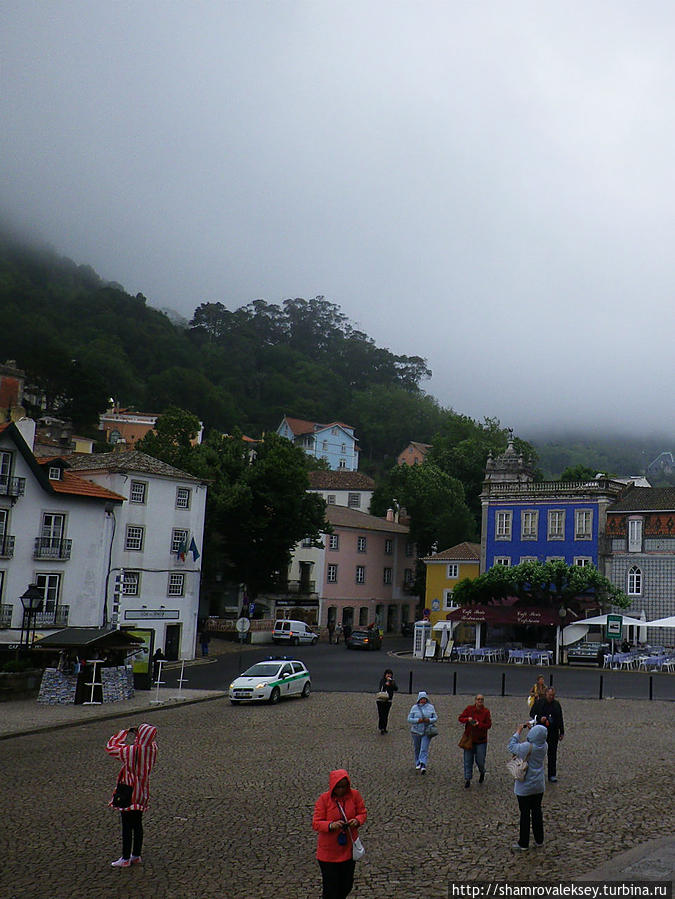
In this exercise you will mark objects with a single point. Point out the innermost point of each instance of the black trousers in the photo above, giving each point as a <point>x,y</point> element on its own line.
<point>132,829</point>
<point>338,879</point>
<point>552,740</point>
<point>383,709</point>
<point>530,806</point>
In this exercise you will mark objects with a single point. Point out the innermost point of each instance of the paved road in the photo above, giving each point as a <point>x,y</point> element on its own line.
<point>334,668</point>
<point>234,788</point>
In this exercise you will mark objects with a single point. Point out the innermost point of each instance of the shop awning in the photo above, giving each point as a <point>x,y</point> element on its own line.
<point>505,615</point>
<point>89,637</point>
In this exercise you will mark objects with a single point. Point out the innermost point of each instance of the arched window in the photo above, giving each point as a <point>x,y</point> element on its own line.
<point>634,581</point>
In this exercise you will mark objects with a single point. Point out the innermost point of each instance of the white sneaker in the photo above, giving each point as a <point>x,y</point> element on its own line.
<point>136,860</point>
<point>417,766</point>
<point>516,847</point>
<point>121,863</point>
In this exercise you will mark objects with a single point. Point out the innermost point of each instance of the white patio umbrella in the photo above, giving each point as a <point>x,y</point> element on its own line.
<point>602,619</point>
<point>662,622</point>
<point>642,633</point>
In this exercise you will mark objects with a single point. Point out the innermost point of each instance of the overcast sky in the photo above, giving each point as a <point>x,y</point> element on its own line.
<point>488,185</point>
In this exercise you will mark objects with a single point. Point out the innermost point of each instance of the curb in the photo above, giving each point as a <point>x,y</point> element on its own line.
<point>656,856</point>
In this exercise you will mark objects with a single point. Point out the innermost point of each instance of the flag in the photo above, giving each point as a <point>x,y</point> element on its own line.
<point>193,549</point>
<point>182,549</point>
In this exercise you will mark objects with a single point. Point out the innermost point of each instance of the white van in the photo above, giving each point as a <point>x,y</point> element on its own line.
<point>294,632</point>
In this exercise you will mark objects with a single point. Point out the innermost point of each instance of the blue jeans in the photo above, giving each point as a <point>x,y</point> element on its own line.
<point>421,748</point>
<point>477,754</point>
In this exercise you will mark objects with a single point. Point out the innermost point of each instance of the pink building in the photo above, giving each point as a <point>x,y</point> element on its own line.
<point>364,573</point>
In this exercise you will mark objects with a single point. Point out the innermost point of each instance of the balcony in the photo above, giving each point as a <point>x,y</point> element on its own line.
<point>53,548</point>
<point>6,546</point>
<point>6,615</point>
<point>12,487</point>
<point>56,618</point>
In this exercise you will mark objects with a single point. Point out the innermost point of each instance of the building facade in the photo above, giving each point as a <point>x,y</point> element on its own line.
<point>444,571</point>
<point>641,545</point>
<point>414,454</point>
<point>335,443</point>
<point>343,488</point>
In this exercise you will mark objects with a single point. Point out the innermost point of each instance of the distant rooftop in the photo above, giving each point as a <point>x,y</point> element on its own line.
<point>128,461</point>
<point>341,479</point>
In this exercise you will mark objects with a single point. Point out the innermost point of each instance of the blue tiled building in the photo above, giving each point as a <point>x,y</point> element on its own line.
<point>524,520</point>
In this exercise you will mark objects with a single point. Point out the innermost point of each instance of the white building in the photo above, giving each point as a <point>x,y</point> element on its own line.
<point>158,542</point>
<point>343,488</point>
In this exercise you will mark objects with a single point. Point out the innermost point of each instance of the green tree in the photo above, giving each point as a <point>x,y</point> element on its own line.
<point>578,473</point>
<point>171,441</point>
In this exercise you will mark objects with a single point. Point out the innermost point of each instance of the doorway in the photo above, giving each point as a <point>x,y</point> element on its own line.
<point>172,642</point>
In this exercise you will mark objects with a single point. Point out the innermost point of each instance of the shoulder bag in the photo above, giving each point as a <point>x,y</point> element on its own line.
<point>358,849</point>
<point>517,767</point>
<point>382,696</point>
<point>466,740</point>
<point>124,792</point>
<point>431,730</point>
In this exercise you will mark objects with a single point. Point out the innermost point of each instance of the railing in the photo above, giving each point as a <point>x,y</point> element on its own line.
<point>52,548</point>
<point>56,618</point>
<point>6,546</point>
<point>12,486</point>
<point>6,615</point>
<point>559,488</point>
<point>301,587</point>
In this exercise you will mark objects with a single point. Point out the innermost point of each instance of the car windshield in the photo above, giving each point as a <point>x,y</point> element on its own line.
<point>262,669</point>
<point>360,634</point>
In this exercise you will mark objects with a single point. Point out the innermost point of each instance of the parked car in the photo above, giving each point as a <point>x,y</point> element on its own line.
<point>365,638</point>
<point>270,681</point>
<point>286,630</point>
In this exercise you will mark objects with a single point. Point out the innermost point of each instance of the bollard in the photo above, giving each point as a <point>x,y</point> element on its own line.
<point>600,696</point>
<point>454,683</point>
<point>503,683</point>
<point>550,679</point>
<point>410,684</point>
<point>651,688</point>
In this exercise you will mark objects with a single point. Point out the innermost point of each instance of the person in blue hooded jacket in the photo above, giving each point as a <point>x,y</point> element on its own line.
<point>421,715</point>
<point>530,791</point>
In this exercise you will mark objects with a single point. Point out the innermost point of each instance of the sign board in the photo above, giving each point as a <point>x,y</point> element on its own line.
<point>430,649</point>
<point>143,653</point>
<point>447,652</point>
<point>242,625</point>
<point>613,627</point>
<point>435,605</point>
<point>138,614</point>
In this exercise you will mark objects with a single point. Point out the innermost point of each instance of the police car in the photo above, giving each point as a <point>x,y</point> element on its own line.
<point>270,681</point>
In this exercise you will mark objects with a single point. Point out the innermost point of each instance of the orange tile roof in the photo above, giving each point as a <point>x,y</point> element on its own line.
<point>76,486</point>
<point>462,552</point>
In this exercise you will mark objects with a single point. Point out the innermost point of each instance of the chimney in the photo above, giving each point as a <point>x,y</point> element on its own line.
<point>390,514</point>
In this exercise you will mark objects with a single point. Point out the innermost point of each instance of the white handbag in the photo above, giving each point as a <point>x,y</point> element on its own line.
<point>358,849</point>
<point>517,767</point>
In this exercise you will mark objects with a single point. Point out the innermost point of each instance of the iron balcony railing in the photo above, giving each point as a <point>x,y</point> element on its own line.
<point>12,486</point>
<point>55,618</point>
<point>52,548</point>
<point>6,546</point>
<point>6,615</point>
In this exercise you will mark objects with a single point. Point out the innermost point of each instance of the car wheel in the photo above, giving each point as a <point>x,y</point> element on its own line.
<point>275,696</point>
<point>315,641</point>
<point>294,641</point>
<point>306,690</point>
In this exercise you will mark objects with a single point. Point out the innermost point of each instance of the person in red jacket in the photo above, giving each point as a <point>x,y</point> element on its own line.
<point>138,759</point>
<point>478,722</point>
<point>338,814</point>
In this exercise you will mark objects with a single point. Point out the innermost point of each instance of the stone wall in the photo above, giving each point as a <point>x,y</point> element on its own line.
<point>57,688</point>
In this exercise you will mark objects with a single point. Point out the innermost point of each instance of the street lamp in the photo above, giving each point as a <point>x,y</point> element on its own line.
<point>32,601</point>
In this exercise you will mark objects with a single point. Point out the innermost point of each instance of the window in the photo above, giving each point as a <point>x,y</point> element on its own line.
<point>183,497</point>
<point>176,585</point>
<point>5,468</point>
<point>407,576</point>
<point>453,570</point>
<point>529,525</point>
<point>4,516</point>
<point>503,525</point>
<point>55,473</point>
<point>503,560</point>
<point>555,558</point>
<point>51,537</point>
<point>409,548</point>
<point>342,463</point>
<point>634,581</point>
<point>360,574</point>
<point>448,602</point>
<point>361,544</point>
<point>307,542</point>
<point>583,561</point>
<point>308,441</point>
<point>131,583</point>
<point>179,540</point>
<point>583,524</point>
<point>354,500</point>
<point>50,584</point>
<point>137,492</point>
<point>2,583</point>
<point>386,576</point>
<point>556,524</point>
<point>334,541</point>
<point>634,535</point>
<point>528,559</point>
<point>330,499</point>
<point>324,445</point>
<point>335,431</point>
<point>388,546</point>
<point>134,537</point>
<point>343,448</point>
<point>331,577</point>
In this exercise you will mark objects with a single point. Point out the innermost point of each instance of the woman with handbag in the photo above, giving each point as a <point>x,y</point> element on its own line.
<point>530,790</point>
<point>477,722</point>
<point>537,692</point>
<point>422,719</point>
<point>132,793</point>
<point>338,814</point>
<point>384,698</point>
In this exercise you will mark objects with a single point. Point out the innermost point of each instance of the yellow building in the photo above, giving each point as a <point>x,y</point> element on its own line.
<point>444,571</point>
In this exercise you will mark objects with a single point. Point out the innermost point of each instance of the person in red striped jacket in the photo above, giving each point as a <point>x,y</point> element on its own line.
<point>137,760</point>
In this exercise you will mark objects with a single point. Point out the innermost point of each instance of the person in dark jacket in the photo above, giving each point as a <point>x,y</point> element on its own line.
<point>547,711</point>
<point>388,686</point>
<point>476,718</point>
<point>338,814</point>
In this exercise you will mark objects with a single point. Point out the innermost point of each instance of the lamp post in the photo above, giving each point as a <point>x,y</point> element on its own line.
<point>562,613</point>
<point>32,601</point>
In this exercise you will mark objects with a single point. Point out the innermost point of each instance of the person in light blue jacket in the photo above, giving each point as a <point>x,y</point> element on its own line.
<point>530,791</point>
<point>422,714</point>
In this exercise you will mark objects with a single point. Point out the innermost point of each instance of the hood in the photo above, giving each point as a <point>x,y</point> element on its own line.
<point>337,775</point>
<point>537,735</point>
<point>146,734</point>
<point>422,695</point>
